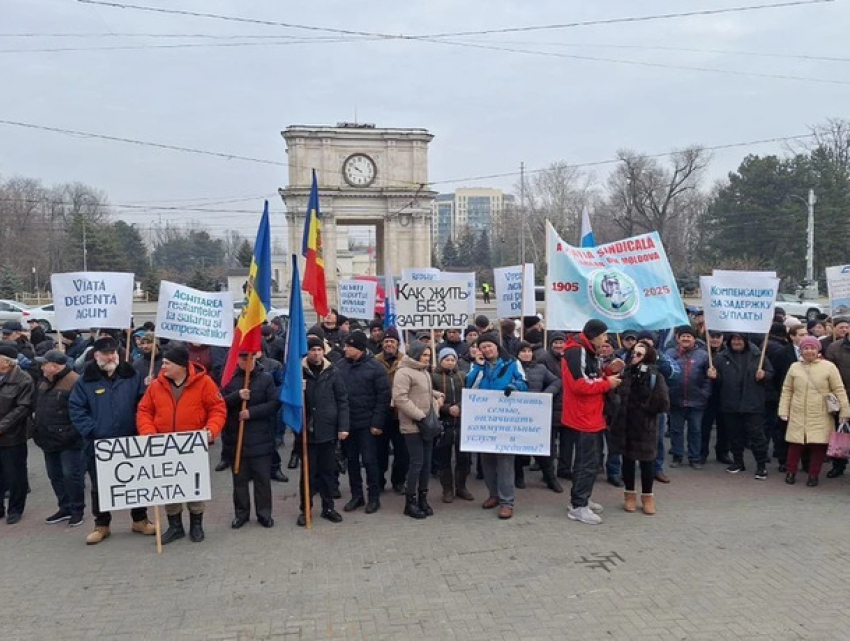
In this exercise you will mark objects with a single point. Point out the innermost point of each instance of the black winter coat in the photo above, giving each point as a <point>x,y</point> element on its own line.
<point>782,356</point>
<point>643,396</point>
<point>368,391</point>
<point>327,404</point>
<point>451,385</point>
<point>740,392</point>
<point>54,431</point>
<point>540,379</point>
<point>17,392</point>
<point>258,436</point>
<point>548,359</point>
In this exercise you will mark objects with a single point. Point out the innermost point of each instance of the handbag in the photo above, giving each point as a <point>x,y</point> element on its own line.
<point>832,404</point>
<point>839,442</point>
<point>431,426</point>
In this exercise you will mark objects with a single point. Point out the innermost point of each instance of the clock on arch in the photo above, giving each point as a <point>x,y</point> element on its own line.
<point>359,170</point>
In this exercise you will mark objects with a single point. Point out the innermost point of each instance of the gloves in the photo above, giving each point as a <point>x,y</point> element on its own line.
<point>508,390</point>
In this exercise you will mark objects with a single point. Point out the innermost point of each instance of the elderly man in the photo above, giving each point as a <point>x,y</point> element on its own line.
<point>103,405</point>
<point>13,331</point>
<point>16,400</point>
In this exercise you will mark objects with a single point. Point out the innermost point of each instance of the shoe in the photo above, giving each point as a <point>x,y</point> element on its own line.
<point>196,528</point>
<point>447,482</point>
<point>412,509</point>
<point>782,468</point>
<point>835,472</point>
<point>61,515</point>
<point>13,519</point>
<point>595,507</point>
<point>661,477</point>
<point>301,521</point>
<point>423,503</point>
<point>175,529</point>
<point>676,462</point>
<point>647,503</point>
<point>332,515</point>
<point>336,494</point>
<point>584,514</point>
<point>143,527</point>
<point>238,522</point>
<point>616,481</point>
<point>354,503</point>
<point>222,465</point>
<point>293,461</point>
<point>280,477</point>
<point>398,488</point>
<point>630,501</point>
<point>372,506</point>
<point>735,468</point>
<point>76,520</point>
<point>812,482</point>
<point>790,478</point>
<point>761,473</point>
<point>695,464</point>
<point>552,484</point>
<point>725,459</point>
<point>519,482</point>
<point>490,503</point>
<point>97,535</point>
<point>265,522</point>
<point>505,512</point>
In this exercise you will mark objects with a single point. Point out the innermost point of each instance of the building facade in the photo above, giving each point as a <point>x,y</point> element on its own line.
<point>475,209</point>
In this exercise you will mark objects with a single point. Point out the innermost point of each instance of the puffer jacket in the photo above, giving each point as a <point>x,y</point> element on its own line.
<point>54,431</point>
<point>585,387</point>
<point>263,406</point>
<point>327,403</point>
<point>413,394</point>
<point>552,362</point>
<point>540,379</point>
<point>17,391</point>
<point>368,391</point>
<point>740,392</point>
<point>105,407</point>
<point>803,401</point>
<point>693,387</point>
<point>200,405</point>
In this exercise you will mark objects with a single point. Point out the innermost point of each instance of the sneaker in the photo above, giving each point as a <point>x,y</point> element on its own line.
<point>332,515</point>
<point>697,465</point>
<point>761,473</point>
<point>76,520</point>
<point>61,515</point>
<point>595,507</point>
<point>676,462</point>
<point>584,514</point>
<point>735,468</point>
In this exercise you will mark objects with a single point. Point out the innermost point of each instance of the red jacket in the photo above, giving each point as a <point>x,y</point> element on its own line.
<point>584,387</point>
<point>200,406</point>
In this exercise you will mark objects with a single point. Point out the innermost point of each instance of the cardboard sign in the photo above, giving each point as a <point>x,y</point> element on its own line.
<point>738,301</point>
<point>357,298</point>
<point>442,304</point>
<point>187,314</point>
<point>142,471</point>
<point>494,423</point>
<point>514,295</point>
<point>83,300</point>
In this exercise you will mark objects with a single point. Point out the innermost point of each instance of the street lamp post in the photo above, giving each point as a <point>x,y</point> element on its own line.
<point>810,286</point>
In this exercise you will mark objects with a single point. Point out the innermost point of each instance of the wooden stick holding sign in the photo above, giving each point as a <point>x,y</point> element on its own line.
<point>129,343</point>
<point>763,351</point>
<point>708,347</point>
<point>157,524</point>
<point>305,462</point>
<point>237,460</point>
<point>153,358</point>
<point>433,350</point>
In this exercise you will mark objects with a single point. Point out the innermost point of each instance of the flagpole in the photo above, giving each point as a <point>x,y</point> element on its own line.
<point>708,338</point>
<point>129,340</point>
<point>237,460</point>
<point>153,358</point>
<point>305,466</point>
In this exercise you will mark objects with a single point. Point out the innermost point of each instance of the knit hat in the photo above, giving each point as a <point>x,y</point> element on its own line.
<point>593,328</point>
<point>391,332</point>
<point>315,341</point>
<point>415,349</point>
<point>487,337</point>
<point>177,354</point>
<point>8,349</point>
<point>446,351</point>
<point>556,336</point>
<point>523,345</point>
<point>316,330</point>
<point>375,324</point>
<point>358,341</point>
<point>530,321</point>
<point>681,330</point>
<point>778,329</point>
<point>470,329</point>
<point>810,341</point>
<point>70,334</point>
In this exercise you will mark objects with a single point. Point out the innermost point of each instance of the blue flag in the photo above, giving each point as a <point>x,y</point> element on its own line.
<point>291,394</point>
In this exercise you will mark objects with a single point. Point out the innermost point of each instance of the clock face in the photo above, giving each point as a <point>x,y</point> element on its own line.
<point>359,170</point>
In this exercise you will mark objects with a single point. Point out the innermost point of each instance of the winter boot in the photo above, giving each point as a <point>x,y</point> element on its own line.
<point>630,504</point>
<point>196,528</point>
<point>647,502</point>
<point>175,529</point>
<point>411,507</point>
<point>460,487</point>
<point>423,503</point>
<point>448,486</point>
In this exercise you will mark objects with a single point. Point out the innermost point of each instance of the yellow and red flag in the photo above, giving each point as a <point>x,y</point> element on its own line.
<point>247,337</point>
<point>311,249</point>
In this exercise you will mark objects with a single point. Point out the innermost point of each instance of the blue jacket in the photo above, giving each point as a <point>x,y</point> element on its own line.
<point>505,373</point>
<point>693,387</point>
<point>102,407</point>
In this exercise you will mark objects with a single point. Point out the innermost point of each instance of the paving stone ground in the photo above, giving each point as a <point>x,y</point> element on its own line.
<point>726,557</point>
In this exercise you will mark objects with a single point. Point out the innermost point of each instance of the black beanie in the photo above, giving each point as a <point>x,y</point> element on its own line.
<point>177,354</point>
<point>315,341</point>
<point>594,328</point>
<point>529,321</point>
<point>685,329</point>
<point>488,337</point>
<point>358,340</point>
<point>316,330</point>
<point>556,336</point>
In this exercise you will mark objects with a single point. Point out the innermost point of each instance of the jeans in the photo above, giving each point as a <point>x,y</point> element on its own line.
<point>499,477</point>
<point>322,460</point>
<point>259,470</point>
<point>693,417</point>
<point>103,519</point>
<point>391,434</point>
<point>744,429</point>
<point>614,463</point>
<point>584,469</point>
<point>419,452</point>
<point>13,477</point>
<point>66,472</point>
<point>360,444</point>
<point>661,452</point>
<point>711,416</point>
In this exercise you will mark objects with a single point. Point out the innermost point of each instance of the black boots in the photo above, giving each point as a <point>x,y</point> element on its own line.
<point>175,529</point>
<point>196,528</point>
<point>423,503</point>
<point>411,507</point>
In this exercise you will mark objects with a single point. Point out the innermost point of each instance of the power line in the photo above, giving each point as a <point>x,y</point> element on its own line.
<point>185,45</point>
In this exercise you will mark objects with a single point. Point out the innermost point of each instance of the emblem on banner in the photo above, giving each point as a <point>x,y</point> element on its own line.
<point>613,293</point>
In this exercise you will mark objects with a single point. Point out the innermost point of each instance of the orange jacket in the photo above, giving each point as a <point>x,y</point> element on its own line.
<point>200,406</point>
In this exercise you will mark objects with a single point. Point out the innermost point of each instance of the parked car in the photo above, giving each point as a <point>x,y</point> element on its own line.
<point>796,306</point>
<point>11,310</point>
<point>45,315</point>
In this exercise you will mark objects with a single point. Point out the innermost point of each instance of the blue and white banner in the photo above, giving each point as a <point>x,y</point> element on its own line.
<point>628,284</point>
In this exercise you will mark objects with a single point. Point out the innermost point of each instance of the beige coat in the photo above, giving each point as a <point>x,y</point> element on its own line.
<point>412,394</point>
<point>808,419</point>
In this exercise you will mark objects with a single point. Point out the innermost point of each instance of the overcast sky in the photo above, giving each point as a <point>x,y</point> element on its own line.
<point>488,109</point>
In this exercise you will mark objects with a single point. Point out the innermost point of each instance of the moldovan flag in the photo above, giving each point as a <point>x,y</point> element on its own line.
<point>311,249</point>
<point>291,394</point>
<point>247,336</point>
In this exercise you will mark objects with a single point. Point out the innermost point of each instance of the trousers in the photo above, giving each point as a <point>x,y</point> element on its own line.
<point>259,470</point>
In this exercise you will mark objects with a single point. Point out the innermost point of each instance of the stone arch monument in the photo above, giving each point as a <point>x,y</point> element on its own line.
<point>367,176</point>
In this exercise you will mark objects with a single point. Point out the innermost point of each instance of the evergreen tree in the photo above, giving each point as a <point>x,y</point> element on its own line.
<point>245,254</point>
<point>201,279</point>
<point>481,254</point>
<point>449,254</point>
<point>10,284</point>
<point>465,248</point>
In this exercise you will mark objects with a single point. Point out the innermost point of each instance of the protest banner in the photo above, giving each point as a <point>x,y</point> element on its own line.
<point>626,284</point>
<point>144,471</point>
<point>433,274</point>
<point>514,296</point>
<point>442,304</point>
<point>420,274</point>
<point>494,423</point>
<point>739,301</point>
<point>838,286</point>
<point>191,315</point>
<point>357,298</point>
<point>82,300</point>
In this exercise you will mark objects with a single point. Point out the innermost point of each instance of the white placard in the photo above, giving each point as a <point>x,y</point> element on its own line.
<point>513,296</point>
<point>739,301</point>
<point>442,304</point>
<point>187,314</point>
<point>517,424</point>
<point>433,274</point>
<point>420,273</point>
<point>838,286</point>
<point>141,471</point>
<point>357,298</point>
<point>82,300</point>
